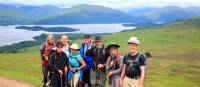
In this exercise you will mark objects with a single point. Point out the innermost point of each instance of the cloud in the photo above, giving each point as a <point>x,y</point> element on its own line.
<point>117,4</point>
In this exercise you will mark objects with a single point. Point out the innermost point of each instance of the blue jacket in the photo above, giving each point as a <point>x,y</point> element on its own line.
<point>86,56</point>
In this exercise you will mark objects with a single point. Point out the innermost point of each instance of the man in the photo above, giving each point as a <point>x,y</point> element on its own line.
<point>58,64</point>
<point>114,65</point>
<point>99,55</point>
<point>45,50</point>
<point>84,51</point>
<point>133,72</point>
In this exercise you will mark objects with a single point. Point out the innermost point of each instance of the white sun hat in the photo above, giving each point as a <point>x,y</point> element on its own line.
<point>133,40</point>
<point>74,46</point>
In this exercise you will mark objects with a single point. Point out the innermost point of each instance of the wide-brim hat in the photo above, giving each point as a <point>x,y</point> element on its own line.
<point>133,40</point>
<point>74,46</point>
<point>112,45</point>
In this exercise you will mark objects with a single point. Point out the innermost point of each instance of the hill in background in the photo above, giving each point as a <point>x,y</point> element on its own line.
<point>85,13</point>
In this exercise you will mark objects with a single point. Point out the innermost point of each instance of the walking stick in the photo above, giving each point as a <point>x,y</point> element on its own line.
<point>98,78</point>
<point>61,81</point>
<point>107,81</point>
<point>66,80</point>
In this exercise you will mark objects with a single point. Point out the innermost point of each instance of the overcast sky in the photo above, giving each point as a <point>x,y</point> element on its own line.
<point>117,4</point>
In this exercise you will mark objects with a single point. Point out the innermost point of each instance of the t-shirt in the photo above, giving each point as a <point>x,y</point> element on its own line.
<point>141,59</point>
<point>66,50</point>
<point>74,60</point>
<point>132,69</point>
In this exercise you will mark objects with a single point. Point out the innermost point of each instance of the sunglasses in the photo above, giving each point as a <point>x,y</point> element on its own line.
<point>59,46</point>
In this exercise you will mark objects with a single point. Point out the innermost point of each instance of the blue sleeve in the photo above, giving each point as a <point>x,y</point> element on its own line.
<point>82,51</point>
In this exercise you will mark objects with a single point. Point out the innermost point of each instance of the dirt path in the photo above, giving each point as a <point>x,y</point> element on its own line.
<point>5,82</point>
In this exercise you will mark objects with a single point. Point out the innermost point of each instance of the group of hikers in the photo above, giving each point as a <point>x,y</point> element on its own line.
<point>67,65</point>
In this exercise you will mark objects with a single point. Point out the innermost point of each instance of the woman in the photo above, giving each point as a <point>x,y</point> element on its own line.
<point>57,64</point>
<point>76,63</point>
<point>114,65</point>
<point>64,39</point>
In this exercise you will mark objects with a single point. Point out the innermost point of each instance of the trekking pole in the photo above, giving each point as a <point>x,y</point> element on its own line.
<point>66,80</point>
<point>61,83</point>
<point>107,81</point>
<point>98,77</point>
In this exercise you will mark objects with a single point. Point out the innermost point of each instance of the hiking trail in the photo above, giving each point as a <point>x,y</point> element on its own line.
<point>5,82</point>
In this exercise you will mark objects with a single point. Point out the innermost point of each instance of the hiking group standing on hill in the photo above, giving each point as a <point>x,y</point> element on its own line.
<point>91,65</point>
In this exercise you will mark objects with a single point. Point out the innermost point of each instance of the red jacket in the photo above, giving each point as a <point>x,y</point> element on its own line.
<point>45,50</point>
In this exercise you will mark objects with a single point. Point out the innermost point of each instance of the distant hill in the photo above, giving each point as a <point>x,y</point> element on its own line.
<point>84,13</point>
<point>11,15</point>
<point>22,14</point>
<point>40,11</point>
<point>90,14</point>
<point>168,13</point>
<point>48,14</point>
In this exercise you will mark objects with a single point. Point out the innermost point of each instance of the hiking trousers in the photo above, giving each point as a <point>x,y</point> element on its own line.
<point>74,78</point>
<point>128,82</point>
<point>102,77</point>
<point>56,80</point>
<point>114,81</point>
<point>86,78</point>
<point>45,74</point>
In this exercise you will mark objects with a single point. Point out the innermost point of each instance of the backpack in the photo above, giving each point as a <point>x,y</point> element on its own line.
<point>42,47</point>
<point>133,66</point>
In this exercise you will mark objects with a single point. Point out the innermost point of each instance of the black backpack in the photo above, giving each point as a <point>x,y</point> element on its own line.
<point>133,66</point>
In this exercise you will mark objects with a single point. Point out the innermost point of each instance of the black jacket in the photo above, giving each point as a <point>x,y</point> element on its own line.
<point>57,61</point>
<point>100,56</point>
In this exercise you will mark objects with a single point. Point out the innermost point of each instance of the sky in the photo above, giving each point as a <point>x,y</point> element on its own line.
<point>116,4</point>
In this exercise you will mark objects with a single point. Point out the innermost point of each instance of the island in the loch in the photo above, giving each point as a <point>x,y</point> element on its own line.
<point>48,29</point>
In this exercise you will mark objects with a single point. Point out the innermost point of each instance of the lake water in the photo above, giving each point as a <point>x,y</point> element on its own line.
<point>10,35</point>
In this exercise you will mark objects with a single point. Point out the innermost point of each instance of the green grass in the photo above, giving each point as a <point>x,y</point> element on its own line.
<point>22,67</point>
<point>175,63</point>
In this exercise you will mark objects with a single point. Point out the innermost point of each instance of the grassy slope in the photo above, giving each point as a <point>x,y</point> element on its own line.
<point>175,63</point>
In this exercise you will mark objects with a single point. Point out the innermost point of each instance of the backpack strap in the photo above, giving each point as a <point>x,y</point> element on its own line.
<point>43,47</point>
<point>102,49</point>
<point>94,50</point>
<point>126,57</point>
<point>138,58</point>
<point>53,55</point>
